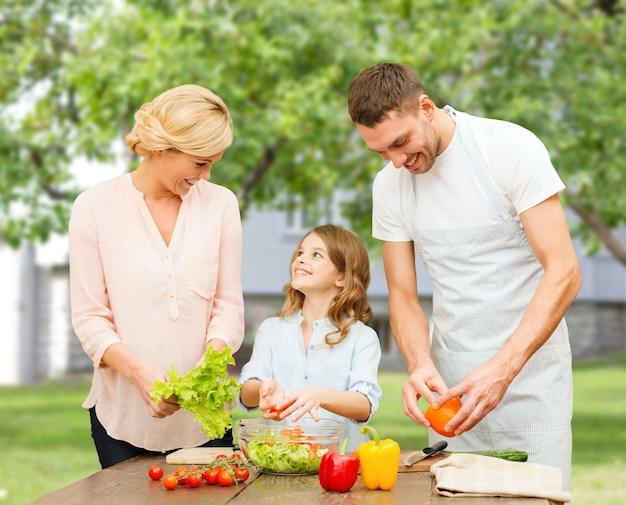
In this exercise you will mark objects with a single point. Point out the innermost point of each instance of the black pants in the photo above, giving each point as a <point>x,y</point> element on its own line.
<point>112,451</point>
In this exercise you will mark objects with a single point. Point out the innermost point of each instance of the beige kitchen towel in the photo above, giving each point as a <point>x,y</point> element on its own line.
<point>477,475</point>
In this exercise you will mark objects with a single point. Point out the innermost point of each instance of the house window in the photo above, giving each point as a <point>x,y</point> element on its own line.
<point>382,328</point>
<point>301,218</point>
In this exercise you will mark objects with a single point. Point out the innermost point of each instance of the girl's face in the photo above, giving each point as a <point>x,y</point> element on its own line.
<point>181,171</point>
<point>312,271</point>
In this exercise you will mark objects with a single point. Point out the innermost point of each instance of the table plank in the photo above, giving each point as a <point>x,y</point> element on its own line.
<point>128,482</point>
<point>306,490</point>
<point>411,487</point>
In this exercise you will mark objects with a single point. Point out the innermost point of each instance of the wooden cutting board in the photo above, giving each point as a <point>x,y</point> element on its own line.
<point>420,466</point>
<point>196,455</point>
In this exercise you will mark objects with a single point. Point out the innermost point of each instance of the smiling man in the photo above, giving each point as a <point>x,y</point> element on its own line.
<point>478,199</point>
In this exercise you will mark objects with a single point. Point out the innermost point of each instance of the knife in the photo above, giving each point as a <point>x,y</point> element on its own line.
<point>416,456</point>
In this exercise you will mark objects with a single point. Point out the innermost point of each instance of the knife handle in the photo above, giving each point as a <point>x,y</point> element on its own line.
<point>436,447</point>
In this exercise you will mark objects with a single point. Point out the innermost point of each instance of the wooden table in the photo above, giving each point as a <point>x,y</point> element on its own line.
<point>128,484</point>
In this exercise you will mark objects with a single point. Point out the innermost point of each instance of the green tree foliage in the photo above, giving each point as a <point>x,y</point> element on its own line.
<point>74,72</point>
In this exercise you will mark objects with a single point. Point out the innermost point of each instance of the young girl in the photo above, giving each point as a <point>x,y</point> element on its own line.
<point>318,356</point>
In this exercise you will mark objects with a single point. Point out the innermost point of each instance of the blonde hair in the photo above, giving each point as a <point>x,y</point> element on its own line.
<point>187,118</point>
<point>350,305</point>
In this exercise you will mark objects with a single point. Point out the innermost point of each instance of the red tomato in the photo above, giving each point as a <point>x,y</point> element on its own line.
<point>155,472</point>
<point>438,418</point>
<point>211,475</point>
<point>275,410</point>
<point>221,456</point>
<point>180,474</point>
<point>241,474</point>
<point>194,480</point>
<point>225,478</point>
<point>170,481</point>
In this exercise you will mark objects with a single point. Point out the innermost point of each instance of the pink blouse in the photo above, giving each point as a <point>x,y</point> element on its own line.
<point>164,303</point>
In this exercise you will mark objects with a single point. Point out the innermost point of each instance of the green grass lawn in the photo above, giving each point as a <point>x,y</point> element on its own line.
<point>46,444</point>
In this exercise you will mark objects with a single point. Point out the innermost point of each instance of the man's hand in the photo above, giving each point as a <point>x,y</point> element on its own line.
<point>483,388</point>
<point>423,382</point>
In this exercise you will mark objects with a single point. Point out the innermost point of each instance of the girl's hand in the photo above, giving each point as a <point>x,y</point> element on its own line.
<point>271,394</point>
<point>301,401</point>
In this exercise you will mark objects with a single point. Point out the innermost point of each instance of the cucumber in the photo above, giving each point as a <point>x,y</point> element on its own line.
<point>508,454</point>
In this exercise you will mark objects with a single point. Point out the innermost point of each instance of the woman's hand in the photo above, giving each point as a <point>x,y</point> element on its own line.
<point>142,375</point>
<point>143,378</point>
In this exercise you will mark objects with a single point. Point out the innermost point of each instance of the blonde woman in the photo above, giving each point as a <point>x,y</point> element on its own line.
<point>155,268</point>
<point>318,356</point>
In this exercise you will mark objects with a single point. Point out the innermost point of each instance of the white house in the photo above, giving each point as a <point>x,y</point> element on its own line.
<point>39,343</point>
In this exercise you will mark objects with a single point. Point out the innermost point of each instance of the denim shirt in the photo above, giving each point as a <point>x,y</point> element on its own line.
<point>352,365</point>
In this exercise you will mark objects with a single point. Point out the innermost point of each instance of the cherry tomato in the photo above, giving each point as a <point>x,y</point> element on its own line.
<point>194,480</point>
<point>438,418</point>
<point>242,474</point>
<point>211,475</point>
<point>170,481</point>
<point>180,474</point>
<point>275,410</point>
<point>225,478</point>
<point>155,472</point>
<point>221,456</point>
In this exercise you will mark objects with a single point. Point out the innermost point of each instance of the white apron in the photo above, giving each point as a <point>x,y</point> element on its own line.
<point>484,278</point>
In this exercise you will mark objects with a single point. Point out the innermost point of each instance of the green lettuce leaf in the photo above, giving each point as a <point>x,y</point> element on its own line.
<point>285,457</point>
<point>205,391</point>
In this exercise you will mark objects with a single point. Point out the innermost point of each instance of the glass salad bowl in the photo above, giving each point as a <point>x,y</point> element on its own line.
<point>287,448</point>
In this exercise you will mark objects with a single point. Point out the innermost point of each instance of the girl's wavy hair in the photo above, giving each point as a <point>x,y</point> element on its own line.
<point>350,305</point>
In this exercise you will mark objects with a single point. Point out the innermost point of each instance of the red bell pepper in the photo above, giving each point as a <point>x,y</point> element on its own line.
<point>338,470</point>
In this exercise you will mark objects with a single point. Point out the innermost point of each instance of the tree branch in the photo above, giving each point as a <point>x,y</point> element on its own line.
<point>264,164</point>
<point>604,234</point>
<point>37,159</point>
<point>54,193</point>
<point>60,43</point>
<point>566,8</point>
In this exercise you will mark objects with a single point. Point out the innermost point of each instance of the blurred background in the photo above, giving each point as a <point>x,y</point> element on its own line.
<point>73,72</point>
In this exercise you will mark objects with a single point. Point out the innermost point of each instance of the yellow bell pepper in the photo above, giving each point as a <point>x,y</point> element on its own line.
<point>379,461</point>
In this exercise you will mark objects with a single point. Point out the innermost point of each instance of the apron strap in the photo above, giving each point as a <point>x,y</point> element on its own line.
<point>478,161</point>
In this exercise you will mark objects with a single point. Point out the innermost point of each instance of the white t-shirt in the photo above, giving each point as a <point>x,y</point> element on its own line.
<point>450,195</point>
